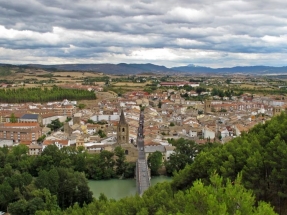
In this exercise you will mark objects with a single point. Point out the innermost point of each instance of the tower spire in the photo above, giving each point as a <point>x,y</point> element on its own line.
<point>122,117</point>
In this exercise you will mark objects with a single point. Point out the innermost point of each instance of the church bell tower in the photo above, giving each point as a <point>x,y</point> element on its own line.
<point>122,130</point>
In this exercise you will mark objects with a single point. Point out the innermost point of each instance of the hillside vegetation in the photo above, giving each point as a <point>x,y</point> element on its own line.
<point>217,198</point>
<point>261,157</point>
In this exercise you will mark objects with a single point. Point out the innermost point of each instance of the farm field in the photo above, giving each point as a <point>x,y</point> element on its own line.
<point>250,86</point>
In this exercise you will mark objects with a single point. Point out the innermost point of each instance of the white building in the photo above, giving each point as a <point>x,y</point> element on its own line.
<point>97,118</point>
<point>59,143</point>
<point>208,133</point>
<point>224,133</point>
<point>169,150</point>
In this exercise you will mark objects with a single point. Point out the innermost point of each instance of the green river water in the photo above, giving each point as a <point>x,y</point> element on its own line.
<point>117,189</point>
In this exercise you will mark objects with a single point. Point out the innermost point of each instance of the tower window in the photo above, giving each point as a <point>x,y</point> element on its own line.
<point>123,130</point>
<point>123,137</point>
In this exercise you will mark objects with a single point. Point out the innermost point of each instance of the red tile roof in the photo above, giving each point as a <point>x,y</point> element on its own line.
<point>19,124</point>
<point>49,142</point>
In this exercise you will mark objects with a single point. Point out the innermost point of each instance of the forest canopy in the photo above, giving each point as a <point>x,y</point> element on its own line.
<point>260,155</point>
<point>43,95</point>
<point>217,198</point>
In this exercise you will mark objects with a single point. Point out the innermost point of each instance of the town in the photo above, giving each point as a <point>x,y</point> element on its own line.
<point>143,107</point>
<point>177,109</point>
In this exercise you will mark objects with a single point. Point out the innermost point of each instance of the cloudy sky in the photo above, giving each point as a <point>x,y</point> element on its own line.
<point>166,32</point>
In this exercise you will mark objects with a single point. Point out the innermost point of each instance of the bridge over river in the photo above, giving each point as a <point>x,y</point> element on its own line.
<point>142,170</point>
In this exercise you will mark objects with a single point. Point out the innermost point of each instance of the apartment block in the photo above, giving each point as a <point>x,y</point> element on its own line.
<point>27,132</point>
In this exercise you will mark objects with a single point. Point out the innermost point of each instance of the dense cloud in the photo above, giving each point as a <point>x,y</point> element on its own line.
<point>167,32</point>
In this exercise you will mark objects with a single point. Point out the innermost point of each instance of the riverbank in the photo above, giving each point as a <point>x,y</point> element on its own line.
<point>117,189</point>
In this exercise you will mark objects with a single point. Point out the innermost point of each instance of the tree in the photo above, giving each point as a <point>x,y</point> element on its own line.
<point>72,188</point>
<point>200,112</point>
<point>41,139</point>
<point>199,90</point>
<point>49,199</point>
<point>228,81</point>
<point>155,162</point>
<point>100,166</point>
<point>55,125</point>
<point>184,154</point>
<point>107,161</point>
<point>129,169</point>
<point>120,160</point>
<point>6,195</point>
<point>102,122</point>
<point>68,119</point>
<point>80,160</point>
<point>90,121</point>
<point>48,180</point>
<point>101,133</point>
<point>18,157</point>
<point>50,157</point>
<point>19,207</point>
<point>171,124</point>
<point>220,198</point>
<point>13,119</point>
<point>81,106</point>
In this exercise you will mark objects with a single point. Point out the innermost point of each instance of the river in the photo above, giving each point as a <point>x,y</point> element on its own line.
<point>117,189</point>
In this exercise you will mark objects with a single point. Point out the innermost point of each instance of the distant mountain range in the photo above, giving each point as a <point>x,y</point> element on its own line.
<point>259,70</point>
<point>124,68</point>
<point>121,68</point>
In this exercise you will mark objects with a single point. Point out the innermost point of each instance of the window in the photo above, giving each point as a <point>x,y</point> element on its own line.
<point>126,152</point>
<point>123,130</point>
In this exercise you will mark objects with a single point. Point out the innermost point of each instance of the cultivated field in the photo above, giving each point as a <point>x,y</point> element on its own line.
<point>250,86</point>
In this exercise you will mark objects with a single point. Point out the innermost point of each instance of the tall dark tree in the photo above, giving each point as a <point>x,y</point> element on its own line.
<point>184,154</point>
<point>155,162</point>
<point>120,160</point>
